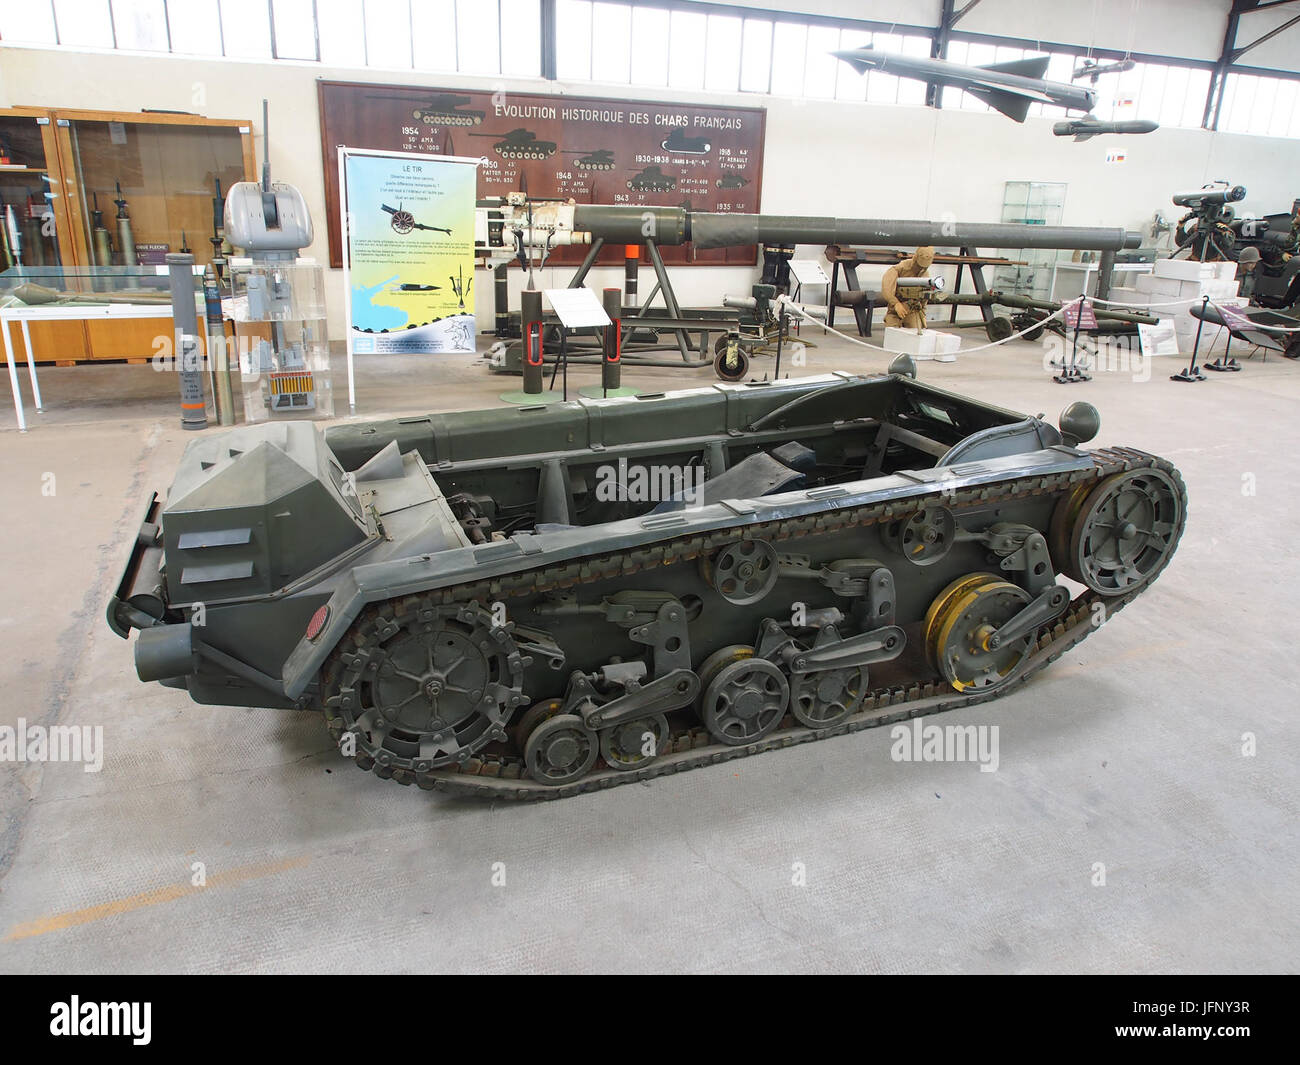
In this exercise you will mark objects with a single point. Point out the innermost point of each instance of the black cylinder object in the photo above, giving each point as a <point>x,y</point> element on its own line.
<point>611,365</point>
<point>530,326</point>
<point>501,299</point>
<point>631,268</point>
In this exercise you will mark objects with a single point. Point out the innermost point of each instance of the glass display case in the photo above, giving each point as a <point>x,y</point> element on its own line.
<point>44,286</point>
<point>133,302</point>
<point>280,326</point>
<point>89,189</point>
<point>1031,203</point>
<point>29,231</point>
<point>147,185</point>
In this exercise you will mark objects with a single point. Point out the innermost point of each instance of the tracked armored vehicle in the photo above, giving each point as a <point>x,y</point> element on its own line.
<point>652,179</point>
<point>443,109</point>
<point>683,143</point>
<point>599,159</point>
<point>520,144</point>
<point>536,602</point>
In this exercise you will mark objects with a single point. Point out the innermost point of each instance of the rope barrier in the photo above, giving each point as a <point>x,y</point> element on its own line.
<point>798,311</point>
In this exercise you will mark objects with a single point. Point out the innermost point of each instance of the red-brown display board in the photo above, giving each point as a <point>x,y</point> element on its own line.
<point>589,149</point>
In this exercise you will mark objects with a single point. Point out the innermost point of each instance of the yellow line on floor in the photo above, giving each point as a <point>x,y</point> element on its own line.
<point>59,921</point>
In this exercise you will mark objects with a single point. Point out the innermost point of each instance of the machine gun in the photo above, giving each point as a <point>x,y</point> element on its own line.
<point>1206,230</point>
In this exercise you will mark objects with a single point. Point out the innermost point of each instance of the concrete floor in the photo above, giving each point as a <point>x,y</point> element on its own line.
<point>1126,753</point>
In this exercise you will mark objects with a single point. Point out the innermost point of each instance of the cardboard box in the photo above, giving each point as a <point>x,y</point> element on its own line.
<point>909,341</point>
<point>1183,269</point>
<point>1129,297</point>
<point>947,343</point>
<point>1158,286</point>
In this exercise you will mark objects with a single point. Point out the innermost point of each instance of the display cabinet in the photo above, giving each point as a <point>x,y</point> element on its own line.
<point>128,329</point>
<point>1034,203</point>
<point>34,224</point>
<point>278,311</point>
<point>117,189</point>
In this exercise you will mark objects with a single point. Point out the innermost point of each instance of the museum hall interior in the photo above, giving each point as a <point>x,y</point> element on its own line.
<point>649,488</point>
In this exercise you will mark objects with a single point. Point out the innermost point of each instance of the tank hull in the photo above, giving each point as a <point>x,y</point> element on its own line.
<point>712,573</point>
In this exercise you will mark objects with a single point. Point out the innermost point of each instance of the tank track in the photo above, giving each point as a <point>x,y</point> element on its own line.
<point>504,776</point>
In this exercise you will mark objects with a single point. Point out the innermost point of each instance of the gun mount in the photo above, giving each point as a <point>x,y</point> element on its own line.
<point>1205,232</point>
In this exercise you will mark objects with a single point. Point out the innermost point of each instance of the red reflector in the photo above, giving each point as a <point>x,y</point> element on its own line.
<point>317,623</point>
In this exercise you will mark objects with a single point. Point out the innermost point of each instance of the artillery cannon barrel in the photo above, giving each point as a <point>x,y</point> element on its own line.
<point>1027,303</point>
<point>674,225</point>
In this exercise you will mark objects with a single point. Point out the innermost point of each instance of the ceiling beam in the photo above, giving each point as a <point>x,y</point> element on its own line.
<point>1237,53</point>
<point>939,47</point>
<point>1214,94</point>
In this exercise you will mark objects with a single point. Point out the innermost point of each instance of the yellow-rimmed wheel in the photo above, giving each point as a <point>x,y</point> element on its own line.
<point>959,627</point>
<point>939,608</point>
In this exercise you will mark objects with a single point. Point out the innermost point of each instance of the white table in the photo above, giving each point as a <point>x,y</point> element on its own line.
<point>61,312</point>
<point>1088,270</point>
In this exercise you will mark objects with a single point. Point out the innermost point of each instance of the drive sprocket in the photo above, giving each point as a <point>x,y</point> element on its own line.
<point>419,685</point>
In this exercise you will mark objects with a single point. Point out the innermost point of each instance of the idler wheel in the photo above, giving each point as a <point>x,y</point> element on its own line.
<point>1125,531</point>
<point>743,572</point>
<point>744,701</point>
<point>633,744</point>
<point>821,700</point>
<point>959,628</point>
<point>560,750</point>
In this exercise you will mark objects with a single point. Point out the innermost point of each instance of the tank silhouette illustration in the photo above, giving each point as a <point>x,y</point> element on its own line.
<point>444,109</point>
<point>732,181</point>
<point>652,179</point>
<point>680,141</point>
<point>600,159</point>
<point>520,144</point>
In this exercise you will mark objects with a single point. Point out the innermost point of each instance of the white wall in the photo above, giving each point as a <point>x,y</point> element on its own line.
<point>821,158</point>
